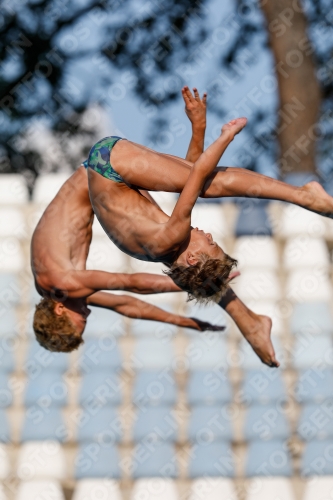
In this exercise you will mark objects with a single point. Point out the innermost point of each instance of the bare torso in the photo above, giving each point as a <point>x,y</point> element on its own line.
<point>61,240</point>
<point>130,220</point>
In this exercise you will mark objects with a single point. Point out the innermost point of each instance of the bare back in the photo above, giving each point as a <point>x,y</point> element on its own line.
<point>61,240</point>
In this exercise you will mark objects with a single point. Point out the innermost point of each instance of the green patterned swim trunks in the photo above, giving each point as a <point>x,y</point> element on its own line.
<point>99,158</point>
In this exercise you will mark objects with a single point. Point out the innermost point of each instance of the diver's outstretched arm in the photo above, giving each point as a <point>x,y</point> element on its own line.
<point>135,308</point>
<point>80,284</point>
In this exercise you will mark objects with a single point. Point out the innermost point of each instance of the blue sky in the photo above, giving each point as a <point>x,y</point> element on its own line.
<point>254,86</point>
<point>132,121</point>
<point>240,97</point>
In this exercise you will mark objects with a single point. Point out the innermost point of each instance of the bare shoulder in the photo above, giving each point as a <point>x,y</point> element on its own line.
<point>62,284</point>
<point>43,283</point>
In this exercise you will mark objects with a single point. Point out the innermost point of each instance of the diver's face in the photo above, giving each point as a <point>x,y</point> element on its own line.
<point>77,311</point>
<point>79,319</point>
<point>203,243</point>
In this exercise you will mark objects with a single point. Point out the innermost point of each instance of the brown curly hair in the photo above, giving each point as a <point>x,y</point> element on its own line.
<point>206,281</point>
<point>53,332</point>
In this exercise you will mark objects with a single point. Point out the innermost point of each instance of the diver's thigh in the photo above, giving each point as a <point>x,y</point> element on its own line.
<point>146,169</point>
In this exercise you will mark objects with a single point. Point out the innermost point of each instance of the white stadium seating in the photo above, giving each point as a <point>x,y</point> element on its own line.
<point>40,489</point>
<point>47,186</point>
<point>166,201</point>
<point>258,284</point>
<point>319,488</point>
<point>154,489</point>
<point>99,489</point>
<point>150,411</point>
<point>41,460</point>
<point>105,256</point>
<point>306,285</point>
<point>12,223</point>
<point>4,462</point>
<point>303,251</point>
<point>272,488</point>
<point>3,495</point>
<point>296,220</point>
<point>256,252</point>
<point>11,255</point>
<point>210,218</point>
<point>212,488</point>
<point>13,190</point>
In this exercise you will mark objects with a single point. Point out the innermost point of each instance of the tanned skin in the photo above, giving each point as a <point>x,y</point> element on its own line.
<point>255,328</point>
<point>144,231</point>
<point>150,234</point>
<point>59,250</point>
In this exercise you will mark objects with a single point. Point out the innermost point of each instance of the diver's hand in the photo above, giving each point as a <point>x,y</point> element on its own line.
<point>201,326</point>
<point>195,107</point>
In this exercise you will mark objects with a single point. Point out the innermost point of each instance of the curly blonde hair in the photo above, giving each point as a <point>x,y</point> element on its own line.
<point>206,281</point>
<point>53,332</point>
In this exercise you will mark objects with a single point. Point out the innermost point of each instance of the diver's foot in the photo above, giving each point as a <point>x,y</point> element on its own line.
<point>233,127</point>
<point>313,196</point>
<point>259,337</point>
